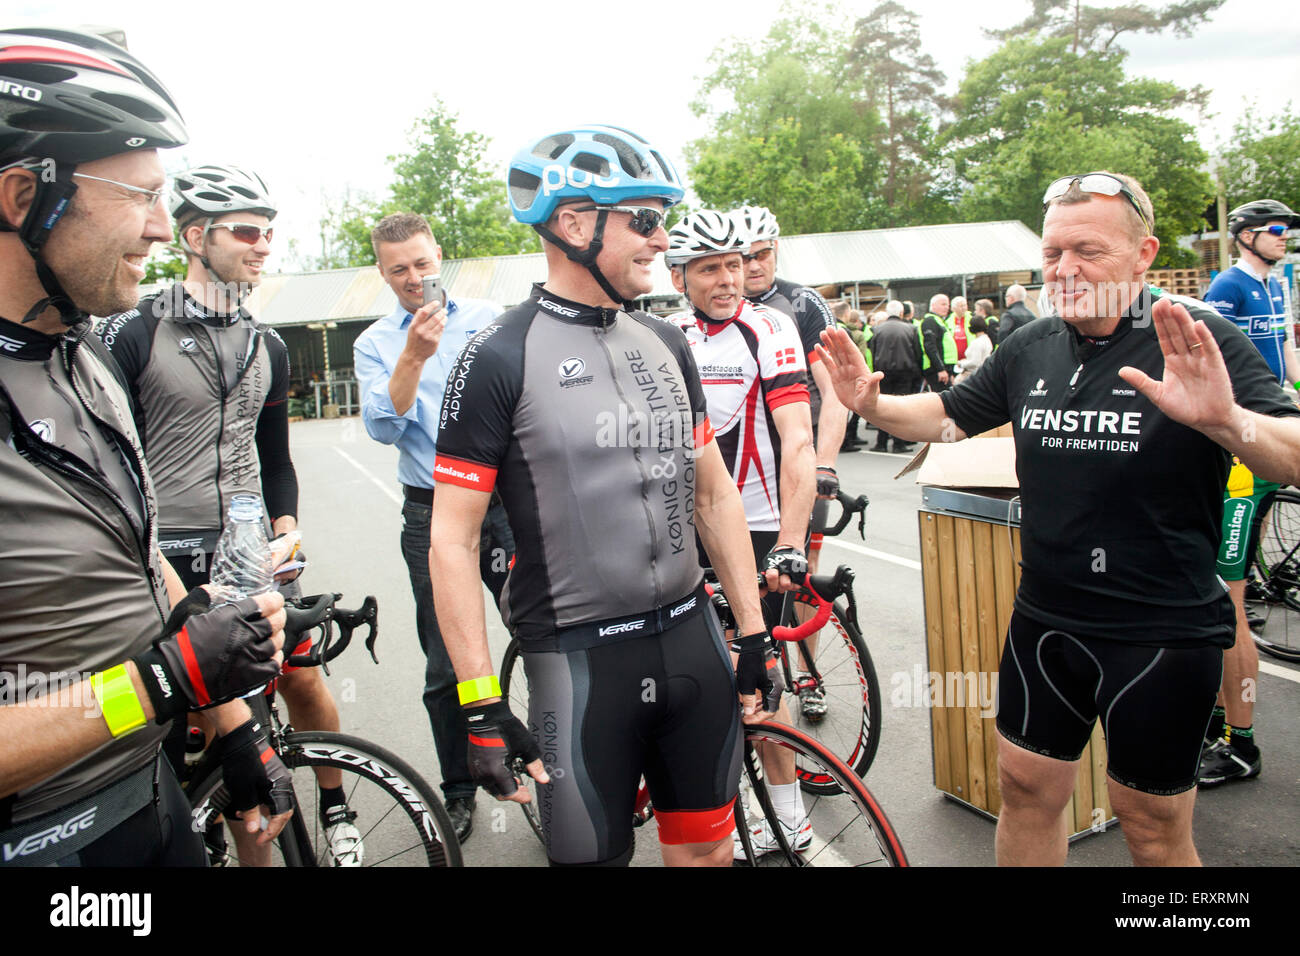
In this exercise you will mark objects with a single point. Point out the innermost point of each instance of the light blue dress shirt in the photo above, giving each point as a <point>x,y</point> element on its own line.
<point>375,355</point>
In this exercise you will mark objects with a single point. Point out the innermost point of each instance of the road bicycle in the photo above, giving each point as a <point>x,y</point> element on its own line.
<point>400,819</point>
<point>1273,592</point>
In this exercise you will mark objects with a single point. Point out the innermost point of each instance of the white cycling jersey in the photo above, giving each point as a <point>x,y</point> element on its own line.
<point>750,365</point>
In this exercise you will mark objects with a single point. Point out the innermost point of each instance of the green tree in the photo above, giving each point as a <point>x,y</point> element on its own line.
<point>1263,160</point>
<point>791,128</point>
<point>1035,110</point>
<point>1097,28</point>
<point>166,263</point>
<point>345,232</point>
<point>904,86</point>
<point>445,178</point>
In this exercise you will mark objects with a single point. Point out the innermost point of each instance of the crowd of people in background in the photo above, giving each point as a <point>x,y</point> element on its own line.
<point>951,343</point>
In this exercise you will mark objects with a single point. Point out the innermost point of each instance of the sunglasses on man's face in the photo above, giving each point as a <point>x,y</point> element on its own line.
<point>645,219</point>
<point>761,256</point>
<point>1273,230</point>
<point>245,231</point>
<point>1101,184</point>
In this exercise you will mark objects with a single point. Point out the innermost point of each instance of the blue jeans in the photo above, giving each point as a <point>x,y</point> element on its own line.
<point>447,720</point>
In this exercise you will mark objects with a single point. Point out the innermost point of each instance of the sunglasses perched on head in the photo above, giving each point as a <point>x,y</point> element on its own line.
<point>1273,230</point>
<point>1101,184</point>
<point>645,219</point>
<point>244,231</point>
<point>761,256</point>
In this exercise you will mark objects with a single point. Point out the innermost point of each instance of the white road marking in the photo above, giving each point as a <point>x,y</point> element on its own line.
<point>1284,672</point>
<point>392,495</point>
<point>871,553</point>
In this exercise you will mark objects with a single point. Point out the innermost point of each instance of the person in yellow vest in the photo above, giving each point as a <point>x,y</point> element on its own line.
<point>938,345</point>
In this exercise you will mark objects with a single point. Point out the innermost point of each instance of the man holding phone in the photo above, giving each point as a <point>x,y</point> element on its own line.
<point>402,362</point>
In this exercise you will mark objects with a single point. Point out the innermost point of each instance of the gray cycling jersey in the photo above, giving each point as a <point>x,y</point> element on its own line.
<point>200,387</point>
<point>80,583</point>
<point>585,421</point>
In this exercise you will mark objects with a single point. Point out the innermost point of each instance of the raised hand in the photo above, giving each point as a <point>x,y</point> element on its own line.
<point>1195,390</point>
<point>855,386</point>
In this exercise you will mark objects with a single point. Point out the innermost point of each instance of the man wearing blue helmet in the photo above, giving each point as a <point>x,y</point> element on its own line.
<point>588,418</point>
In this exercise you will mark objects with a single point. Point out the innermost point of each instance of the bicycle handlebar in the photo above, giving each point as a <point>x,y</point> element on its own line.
<point>852,506</point>
<point>819,590</point>
<point>319,612</point>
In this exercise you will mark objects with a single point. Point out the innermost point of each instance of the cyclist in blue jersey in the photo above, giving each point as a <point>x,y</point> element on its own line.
<point>1248,295</point>
<point>1252,298</point>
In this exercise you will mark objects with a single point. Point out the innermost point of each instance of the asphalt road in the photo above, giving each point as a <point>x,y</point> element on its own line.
<point>350,514</point>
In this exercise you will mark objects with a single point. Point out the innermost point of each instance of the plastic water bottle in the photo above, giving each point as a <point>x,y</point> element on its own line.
<point>242,564</point>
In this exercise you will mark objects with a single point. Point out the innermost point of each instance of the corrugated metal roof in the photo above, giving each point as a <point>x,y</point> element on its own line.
<point>877,255</point>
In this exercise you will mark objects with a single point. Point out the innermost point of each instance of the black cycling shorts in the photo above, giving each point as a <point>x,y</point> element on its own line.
<point>1154,702</point>
<point>158,834</point>
<point>663,706</point>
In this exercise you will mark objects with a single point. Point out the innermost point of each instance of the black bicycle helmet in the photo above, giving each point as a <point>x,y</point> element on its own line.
<point>73,98</point>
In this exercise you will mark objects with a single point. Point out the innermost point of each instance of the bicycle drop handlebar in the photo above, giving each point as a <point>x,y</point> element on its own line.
<point>319,612</point>
<point>819,590</point>
<point>852,506</point>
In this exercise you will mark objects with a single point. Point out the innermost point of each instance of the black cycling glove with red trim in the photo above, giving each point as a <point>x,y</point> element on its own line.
<point>207,656</point>
<point>496,737</point>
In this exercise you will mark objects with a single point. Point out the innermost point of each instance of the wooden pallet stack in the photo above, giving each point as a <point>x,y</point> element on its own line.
<point>1190,282</point>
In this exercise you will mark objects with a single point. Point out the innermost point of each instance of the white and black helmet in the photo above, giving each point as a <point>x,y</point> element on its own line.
<point>704,233</point>
<point>757,223</point>
<point>217,190</point>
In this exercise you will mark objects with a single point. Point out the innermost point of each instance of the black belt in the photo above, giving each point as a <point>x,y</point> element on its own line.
<point>52,836</point>
<point>421,496</point>
<point>583,636</point>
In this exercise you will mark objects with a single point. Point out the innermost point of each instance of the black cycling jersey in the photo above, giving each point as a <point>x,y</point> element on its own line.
<point>1121,505</point>
<point>811,316</point>
<point>210,395</point>
<point>586,420</point>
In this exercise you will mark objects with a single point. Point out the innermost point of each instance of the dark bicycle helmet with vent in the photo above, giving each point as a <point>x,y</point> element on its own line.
<point>1258,213</point>
<point>604,164</point>
<point>68,98</point>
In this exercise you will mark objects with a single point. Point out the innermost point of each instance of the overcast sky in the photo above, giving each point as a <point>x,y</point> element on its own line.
<point>316,101</point>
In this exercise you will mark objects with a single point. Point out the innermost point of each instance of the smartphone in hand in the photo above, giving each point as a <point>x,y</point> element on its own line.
<point>433,289</point>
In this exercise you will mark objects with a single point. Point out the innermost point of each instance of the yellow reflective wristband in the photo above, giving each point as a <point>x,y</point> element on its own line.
<point>118,700</point>
<point>480,688</point>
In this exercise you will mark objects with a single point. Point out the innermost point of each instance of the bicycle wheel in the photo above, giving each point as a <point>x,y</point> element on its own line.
<point>850,728</point>
<point>846,829</point>
<point>514,688</point>
<point>1273,602</point>
<point>401,820</point>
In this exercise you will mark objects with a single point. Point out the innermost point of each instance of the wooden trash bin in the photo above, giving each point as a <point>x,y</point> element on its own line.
<point>970,568</point>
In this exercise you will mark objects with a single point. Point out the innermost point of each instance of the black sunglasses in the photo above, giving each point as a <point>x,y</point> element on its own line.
<point>645,219</point>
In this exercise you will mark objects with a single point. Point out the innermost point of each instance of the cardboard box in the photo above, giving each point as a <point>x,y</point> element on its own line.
<point>987,460</point>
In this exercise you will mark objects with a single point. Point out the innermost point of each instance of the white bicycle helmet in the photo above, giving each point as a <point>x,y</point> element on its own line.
<point>704,233</point>
<point>757,223</point>
<point>217,190</point>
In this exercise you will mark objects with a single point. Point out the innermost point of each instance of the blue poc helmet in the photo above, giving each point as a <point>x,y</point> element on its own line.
<point>604,164</point>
